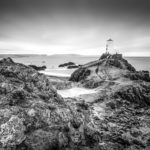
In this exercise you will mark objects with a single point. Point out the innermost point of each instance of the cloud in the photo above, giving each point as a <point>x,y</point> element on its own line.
<point>68,26</point>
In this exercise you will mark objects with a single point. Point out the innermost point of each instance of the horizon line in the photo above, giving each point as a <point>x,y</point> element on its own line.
<point>69,54</point>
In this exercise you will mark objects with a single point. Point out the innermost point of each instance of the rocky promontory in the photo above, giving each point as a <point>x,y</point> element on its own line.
<point>107,68</point>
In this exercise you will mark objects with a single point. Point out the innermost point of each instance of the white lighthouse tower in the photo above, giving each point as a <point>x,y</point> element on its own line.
<point>109,46</point>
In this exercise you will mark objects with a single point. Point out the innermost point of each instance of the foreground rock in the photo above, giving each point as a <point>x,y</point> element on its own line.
<point>34,117</point>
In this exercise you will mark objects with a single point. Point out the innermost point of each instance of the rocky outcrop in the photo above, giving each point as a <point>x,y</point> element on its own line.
<point>126,128</point>
<point>139,75</point>
<point>103,68</point>
<point>66,64</point>
<point>38,68</point>
<point>137,94</point>
<point>80,74</point>
<point>33,116</point>
<point>118,61</point>
<point>69,65</point>
<point>7,60</point>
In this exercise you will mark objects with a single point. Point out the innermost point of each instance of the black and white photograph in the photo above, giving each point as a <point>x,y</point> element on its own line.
<point>74,75</point>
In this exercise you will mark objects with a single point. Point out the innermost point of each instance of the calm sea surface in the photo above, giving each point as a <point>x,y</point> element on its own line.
<point>52,62</point>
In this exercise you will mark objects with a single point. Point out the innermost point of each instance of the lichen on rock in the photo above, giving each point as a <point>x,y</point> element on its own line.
<point>12,132</point>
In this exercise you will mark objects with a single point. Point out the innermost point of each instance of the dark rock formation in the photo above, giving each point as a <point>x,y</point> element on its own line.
<point>38,68</point>
<point>7,60</point>
<point>137,94</point>
<point>80,74</point>
<point>69,65</point>
<point>117,60</point>
<point>66,64</point>
<point>139,75</point>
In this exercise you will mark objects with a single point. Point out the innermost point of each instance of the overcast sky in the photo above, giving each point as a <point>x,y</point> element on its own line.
<point>74,26</point>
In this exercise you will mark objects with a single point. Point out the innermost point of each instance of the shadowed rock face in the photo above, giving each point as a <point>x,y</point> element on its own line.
<point>33,116</point>
<point>118,61</point>
<point>136,94</point>
<point>139,75</point>
<point>80,75</point>
<point>66,64</point>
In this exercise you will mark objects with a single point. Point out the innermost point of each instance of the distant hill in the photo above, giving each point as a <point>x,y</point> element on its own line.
<point>72,55</point>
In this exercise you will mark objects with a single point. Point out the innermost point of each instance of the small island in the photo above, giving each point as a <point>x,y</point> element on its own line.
<point>38,68</point>
<point>69,65</point>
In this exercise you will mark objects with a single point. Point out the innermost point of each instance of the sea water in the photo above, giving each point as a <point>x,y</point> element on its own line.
<point>52,62</point>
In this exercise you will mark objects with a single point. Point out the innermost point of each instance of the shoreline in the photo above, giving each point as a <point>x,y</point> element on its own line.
<point>55,74</point>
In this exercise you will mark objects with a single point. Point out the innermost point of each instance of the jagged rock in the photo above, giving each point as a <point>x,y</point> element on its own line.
<point>7,60</point>
<point>139,75</point>
<point>135,94</point>
<point>32,95</point>
<point>80,74</point>
<point>32,114</point>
